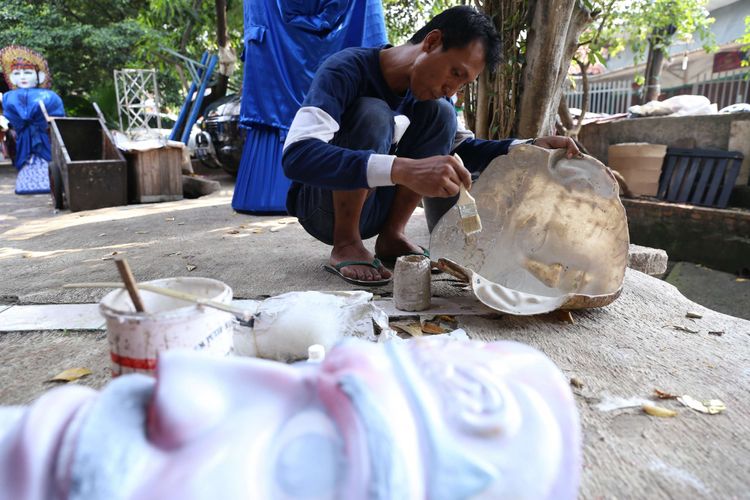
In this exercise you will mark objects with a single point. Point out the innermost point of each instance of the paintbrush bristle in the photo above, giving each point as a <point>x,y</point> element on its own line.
<point>471,224</point>
<point>467,211</point>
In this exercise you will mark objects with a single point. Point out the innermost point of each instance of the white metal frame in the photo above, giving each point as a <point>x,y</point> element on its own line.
<point>138,100</point>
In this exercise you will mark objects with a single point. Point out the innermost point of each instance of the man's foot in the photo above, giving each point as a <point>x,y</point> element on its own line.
<point>357,252</point>
<point>391,247</point>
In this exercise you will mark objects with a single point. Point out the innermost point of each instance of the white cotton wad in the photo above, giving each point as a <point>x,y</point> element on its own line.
<point>286,325</point>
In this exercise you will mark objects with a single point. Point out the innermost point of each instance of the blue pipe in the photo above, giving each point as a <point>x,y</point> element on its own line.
<point>186,105</point>
<point>199,98</point>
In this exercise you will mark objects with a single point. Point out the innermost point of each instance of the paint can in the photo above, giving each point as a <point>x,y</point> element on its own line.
<point>136,338</point>
<point>412,283</point>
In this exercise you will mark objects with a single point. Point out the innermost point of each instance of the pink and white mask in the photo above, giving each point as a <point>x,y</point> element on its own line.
<point>433,418</point>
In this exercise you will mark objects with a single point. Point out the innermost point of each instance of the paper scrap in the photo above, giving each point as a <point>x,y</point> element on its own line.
<point>710,407</point>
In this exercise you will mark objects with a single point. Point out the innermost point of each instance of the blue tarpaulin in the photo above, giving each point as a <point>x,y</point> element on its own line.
<point>285,42</point>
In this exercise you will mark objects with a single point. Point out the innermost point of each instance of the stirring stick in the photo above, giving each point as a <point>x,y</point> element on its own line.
<point>129,280</point>
<point>240,313</point>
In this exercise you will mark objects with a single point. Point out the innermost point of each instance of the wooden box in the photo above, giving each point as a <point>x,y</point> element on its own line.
<point>155,175</point>
<point>93,171</point>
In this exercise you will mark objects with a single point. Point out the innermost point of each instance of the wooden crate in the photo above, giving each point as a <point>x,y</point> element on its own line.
<point>93,170</point>
<point>155,175</point>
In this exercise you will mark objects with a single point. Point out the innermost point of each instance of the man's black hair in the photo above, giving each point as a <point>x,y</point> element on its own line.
<point>462,25</point>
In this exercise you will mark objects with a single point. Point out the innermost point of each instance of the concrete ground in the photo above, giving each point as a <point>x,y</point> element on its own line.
<point>641,342</point>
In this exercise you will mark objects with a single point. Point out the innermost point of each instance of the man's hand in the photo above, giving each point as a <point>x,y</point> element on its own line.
<point>559,142</point>
<point>436,176</point>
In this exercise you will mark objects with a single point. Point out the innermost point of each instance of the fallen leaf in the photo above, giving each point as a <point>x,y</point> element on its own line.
<point>180,223</point>
<point>693,315</point>
<point>190,267</point>
<point>102,234</point>
<point>413,328</point>
<point>141,232</point>
<point>70,375</point>
<point>576,382</point>
<point>432,328</point>
<point>684,329</point>
<point>233,231</point>
<point>710,407</point>
<point>664,395</point>
<point>257,230</point>
<point>658,411</point>
<point>718,333</point>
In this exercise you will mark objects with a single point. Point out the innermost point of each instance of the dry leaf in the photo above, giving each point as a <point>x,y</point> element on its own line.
<point>410,327</point>
<point>718,333</point>
<point>180,223</point>
<point>102,234</point>
<point>233,231</point>
<point>141,232</point>
<point>432,328</point>
<point>190,267</point>
<point>693,315</point>
<point>710,407</point>
<point>257,230</point>
<point>70,375</point>
<point>658,411</point>
<point>576,382</point>
<point>664,395</point>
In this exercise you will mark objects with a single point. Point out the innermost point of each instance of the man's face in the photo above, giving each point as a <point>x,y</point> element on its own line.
<point>438,73</point>
<point>24,78</point>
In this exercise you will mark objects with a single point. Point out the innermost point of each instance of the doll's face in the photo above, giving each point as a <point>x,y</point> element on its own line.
<point>26,78</point>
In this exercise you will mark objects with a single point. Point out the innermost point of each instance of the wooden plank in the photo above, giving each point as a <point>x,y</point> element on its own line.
<point>687,185</point>
<point>716,181</point>
<point>700,189</point>
<point>726,190</point>
<point>677,177</point>
<point>666,175</point>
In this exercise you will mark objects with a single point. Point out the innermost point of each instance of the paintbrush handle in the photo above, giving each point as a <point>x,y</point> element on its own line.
<point>464,198</point>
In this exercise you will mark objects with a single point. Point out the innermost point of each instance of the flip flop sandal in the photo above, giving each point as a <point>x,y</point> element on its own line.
<point>375,264</point>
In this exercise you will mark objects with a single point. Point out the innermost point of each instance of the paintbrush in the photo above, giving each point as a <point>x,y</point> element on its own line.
<point>467,209</point>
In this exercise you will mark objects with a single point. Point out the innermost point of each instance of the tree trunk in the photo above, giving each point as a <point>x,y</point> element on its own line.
<point>551,43</point>
<point>222,80</point>
<point>659,39</point>
<point>483,108</point>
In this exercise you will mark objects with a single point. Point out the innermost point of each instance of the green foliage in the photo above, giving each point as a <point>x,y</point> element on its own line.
<point>661,23</point>
<point>404,17</point>
<point>84,41</point>
<point>745,41</point>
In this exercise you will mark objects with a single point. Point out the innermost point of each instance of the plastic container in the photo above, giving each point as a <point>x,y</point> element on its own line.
<point>640,164</point>
<point>136,339</point>
<point>412,283</point>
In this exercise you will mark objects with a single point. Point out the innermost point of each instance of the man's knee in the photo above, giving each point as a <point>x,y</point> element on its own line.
<point>438,118</point>
<point>366,125</point>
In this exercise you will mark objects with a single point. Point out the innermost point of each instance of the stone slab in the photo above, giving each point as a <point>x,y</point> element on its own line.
<point>739,140</point>
<point>652,261</point>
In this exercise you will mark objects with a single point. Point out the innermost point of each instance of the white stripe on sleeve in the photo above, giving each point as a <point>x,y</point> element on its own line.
<point>379,170</point>
<point>311,123</point>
